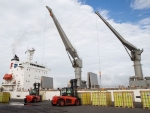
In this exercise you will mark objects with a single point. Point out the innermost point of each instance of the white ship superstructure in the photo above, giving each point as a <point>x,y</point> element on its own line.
<point>22,75</point>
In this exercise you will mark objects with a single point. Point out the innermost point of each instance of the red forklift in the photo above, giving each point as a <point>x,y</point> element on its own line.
<point>34,94</point>
<point>68,96</point>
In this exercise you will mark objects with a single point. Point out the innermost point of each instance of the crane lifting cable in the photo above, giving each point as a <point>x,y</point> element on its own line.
<point>44,37</point>
<point>98,55</point>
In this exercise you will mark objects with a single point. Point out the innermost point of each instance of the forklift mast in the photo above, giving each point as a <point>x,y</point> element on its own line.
<point>74,87</point>
<point>37,88</point>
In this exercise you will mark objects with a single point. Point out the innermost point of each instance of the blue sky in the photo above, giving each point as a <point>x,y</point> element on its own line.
<point>120,10</point>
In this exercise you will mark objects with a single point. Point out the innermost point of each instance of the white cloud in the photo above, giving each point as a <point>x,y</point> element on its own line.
<point>144,24</point>
<point>24,22</point>
<point>145,21</point>
<point>140,4</point>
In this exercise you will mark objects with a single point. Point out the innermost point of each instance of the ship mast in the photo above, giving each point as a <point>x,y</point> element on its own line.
<point>30,54</point>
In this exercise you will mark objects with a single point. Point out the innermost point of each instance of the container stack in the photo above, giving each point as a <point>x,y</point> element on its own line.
<point>4,97</point>
<point>85,98</point>
<point>145,99</point>
<point>128,99</point>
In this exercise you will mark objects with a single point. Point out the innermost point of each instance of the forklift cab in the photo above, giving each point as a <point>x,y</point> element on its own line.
<point>66,91</point>
<point>70,91</point>
<point>36,89</point>
<point>33,92</point>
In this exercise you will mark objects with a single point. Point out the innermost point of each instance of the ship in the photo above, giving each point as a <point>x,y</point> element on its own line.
<point>22,75</point>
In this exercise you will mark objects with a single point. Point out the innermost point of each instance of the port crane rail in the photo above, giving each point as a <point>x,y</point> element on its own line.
<point>71,51</point>
<point>135,52</point>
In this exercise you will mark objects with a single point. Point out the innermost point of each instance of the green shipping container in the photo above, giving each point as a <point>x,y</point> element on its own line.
<point>88,98</point>
<point>4,97</point>
<point>118,99</point>
<point>128,99</point>
<point>105,99</point>
<point>85,98</point>
<point>145,98</point>
<point>95,98</point>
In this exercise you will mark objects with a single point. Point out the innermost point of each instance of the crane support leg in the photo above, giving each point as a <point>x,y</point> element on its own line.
<point>138,69</point>
<point>78,76</point>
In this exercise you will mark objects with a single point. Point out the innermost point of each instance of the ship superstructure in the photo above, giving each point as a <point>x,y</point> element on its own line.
<point>22,75</point>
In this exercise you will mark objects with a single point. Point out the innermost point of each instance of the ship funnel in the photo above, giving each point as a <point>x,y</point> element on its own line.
<point>16,58</point>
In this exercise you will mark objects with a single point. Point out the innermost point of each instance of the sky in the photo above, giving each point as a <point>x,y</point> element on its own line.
<point>26,24</point>
<point>122,10</point>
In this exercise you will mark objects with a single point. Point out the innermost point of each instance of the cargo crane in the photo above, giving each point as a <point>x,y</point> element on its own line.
<point>135,56</point>
<point>76,61</point>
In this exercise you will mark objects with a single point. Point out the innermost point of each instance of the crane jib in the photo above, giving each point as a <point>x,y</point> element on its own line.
<point>135,53</point>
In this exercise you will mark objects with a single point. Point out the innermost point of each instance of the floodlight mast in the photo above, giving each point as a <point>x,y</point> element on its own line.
<point>135,52</point>
<point>76,61</point>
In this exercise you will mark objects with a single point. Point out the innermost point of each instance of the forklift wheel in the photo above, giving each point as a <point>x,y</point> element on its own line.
<point>25,100</point>
<point>61,103</point>
<point>77,102</point>
<point>40,98</point>
<point>34,100</point>
<point>52,103</point>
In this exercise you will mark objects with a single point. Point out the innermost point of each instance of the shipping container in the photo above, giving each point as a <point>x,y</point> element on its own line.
<point>118,99</point>
<point>128,99</point>
<point>105,99</point>
<point>85,98</point>
<point>95,98</point>
<point>145,99</point>
<point>46,82</point>
<point>4,97</point>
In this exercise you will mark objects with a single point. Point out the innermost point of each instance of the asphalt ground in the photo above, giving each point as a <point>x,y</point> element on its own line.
<point>17,106</point>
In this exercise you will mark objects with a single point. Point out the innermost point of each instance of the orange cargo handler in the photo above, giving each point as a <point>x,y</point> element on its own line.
<point>7,76</point>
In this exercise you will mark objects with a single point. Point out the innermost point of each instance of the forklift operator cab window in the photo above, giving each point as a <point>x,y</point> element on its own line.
<point>66,92</point>
<point>32,92</point>
<point>63,92</point>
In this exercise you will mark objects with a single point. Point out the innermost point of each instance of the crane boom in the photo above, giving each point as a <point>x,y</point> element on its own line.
<point>63,36</point>
<point>135,52</point>
<point>124,42</point>
<point>76,62</point>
